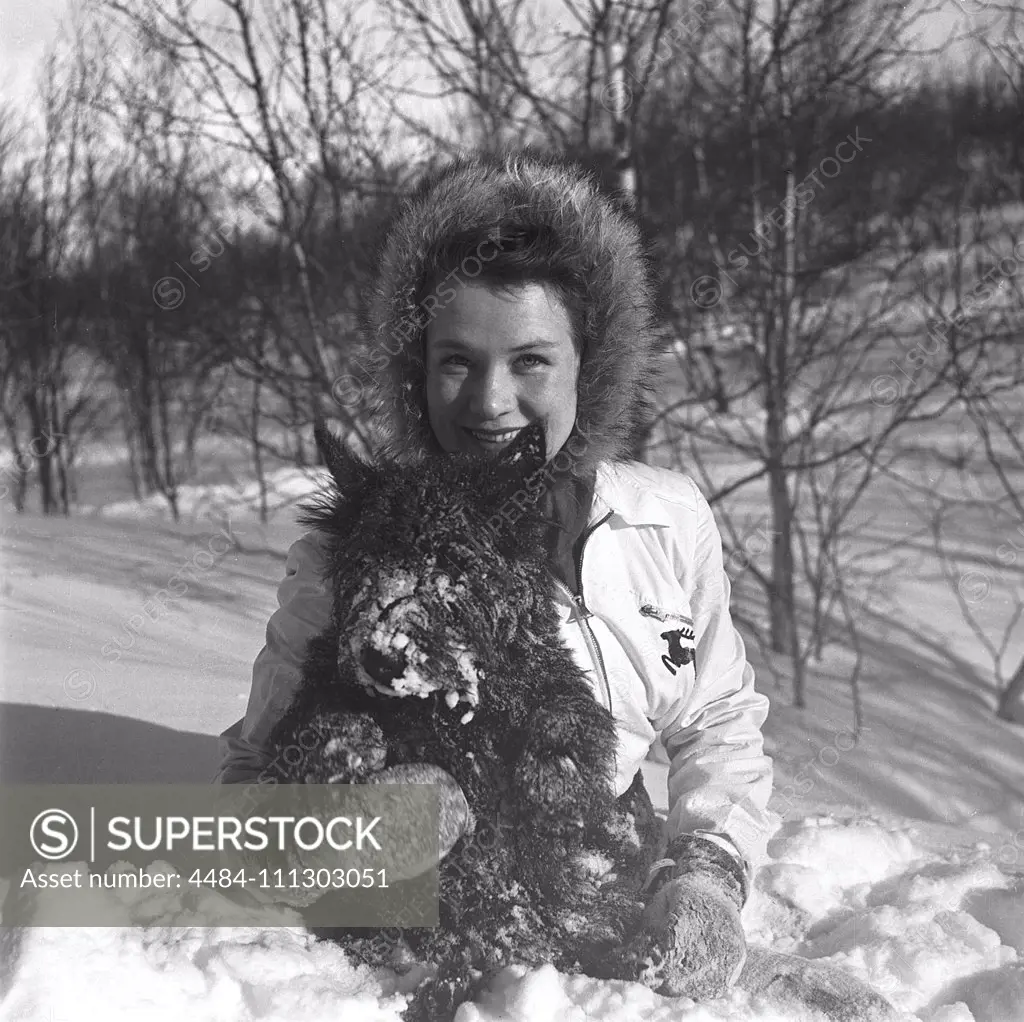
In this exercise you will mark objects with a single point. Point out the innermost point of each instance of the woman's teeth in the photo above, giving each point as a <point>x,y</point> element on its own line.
<point>494,438</point>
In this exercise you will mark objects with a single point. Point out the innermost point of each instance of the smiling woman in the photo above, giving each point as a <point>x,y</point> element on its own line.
<point>510,293</point>
<point>484,383</point>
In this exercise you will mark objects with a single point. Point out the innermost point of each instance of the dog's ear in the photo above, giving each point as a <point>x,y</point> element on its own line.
<point>348,471</point>
<point>332,510</point>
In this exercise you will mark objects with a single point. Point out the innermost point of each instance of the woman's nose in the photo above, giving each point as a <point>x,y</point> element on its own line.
<point>492,394</point>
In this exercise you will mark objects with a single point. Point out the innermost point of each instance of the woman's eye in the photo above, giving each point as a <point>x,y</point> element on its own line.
<point>527,360</point>
<point>537,360</point>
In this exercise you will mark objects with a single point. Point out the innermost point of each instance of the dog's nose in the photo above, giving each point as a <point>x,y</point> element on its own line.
<point>382,667</point>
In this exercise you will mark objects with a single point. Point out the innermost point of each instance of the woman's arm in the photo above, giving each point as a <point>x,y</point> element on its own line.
<point>692,943</point>
<point>304,610</point>
<point>719,779</point>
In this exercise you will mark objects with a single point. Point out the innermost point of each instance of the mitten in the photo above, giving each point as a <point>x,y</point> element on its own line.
<point>693,944</point>
<point>454,820</point>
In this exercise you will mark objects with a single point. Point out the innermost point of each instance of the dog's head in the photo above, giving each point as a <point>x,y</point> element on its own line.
<point>436,565</point>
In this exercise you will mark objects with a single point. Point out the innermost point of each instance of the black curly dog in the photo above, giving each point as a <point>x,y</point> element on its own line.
<point>432,601</point>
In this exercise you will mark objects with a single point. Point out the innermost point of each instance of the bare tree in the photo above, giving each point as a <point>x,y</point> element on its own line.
<point>48,401</point>
<point>966,317</point>
<point>571,77</point>
<point>783,371</point>
<point>146,197</point>
<point>975,585</point>
<point>285,92</point>
<point>987,291</point>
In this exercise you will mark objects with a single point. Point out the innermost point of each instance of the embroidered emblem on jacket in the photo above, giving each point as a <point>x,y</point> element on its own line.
<point>680,640</point>
<point>678,654</point>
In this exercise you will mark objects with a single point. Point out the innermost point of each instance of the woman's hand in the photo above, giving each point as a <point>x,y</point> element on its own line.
<point>696,943</point>
<point>692,944</point>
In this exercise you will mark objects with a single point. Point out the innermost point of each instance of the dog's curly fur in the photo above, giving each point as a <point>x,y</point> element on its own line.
<point>431,603</point>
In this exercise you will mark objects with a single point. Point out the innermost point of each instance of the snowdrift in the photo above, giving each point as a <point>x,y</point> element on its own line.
<point>937,925</point>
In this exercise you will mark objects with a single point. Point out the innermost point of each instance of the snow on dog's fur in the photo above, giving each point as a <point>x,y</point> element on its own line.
<point>444,649</point>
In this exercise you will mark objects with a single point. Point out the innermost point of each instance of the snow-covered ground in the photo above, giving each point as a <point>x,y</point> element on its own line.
<point>932,921</point>
<point>900,858</point>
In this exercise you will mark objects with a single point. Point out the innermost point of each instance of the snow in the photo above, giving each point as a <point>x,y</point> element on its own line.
<point>899,857</point>
<point>941,933</point>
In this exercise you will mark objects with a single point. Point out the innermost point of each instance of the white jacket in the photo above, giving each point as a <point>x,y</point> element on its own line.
<point>652,630</point>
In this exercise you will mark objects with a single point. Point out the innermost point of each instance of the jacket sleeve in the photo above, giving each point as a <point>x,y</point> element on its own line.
<point>304,610</point>
<point>719,779</point>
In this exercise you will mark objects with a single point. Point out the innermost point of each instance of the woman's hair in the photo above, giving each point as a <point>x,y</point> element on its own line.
<point>507,260</point>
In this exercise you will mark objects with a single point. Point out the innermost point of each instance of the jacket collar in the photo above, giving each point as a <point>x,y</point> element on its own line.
<point>615,491</point>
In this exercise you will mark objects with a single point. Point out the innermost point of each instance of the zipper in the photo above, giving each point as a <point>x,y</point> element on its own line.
<point>583,612</point>
<point>650,610</point>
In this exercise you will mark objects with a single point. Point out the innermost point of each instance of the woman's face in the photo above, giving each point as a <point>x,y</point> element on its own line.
<point>497,362</point>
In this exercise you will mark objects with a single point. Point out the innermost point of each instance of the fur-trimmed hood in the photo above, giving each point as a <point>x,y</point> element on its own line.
<point>495,196</point>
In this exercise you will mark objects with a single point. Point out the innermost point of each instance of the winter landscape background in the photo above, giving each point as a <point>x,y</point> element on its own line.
<point>900,857</point>
<point>837,213</point>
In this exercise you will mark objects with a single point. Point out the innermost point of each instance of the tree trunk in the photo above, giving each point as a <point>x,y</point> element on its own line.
<point>62,481</point>
<point>782,608</point>
<point>782,506</point>
<point>624,163</point>
<point>297,417</point>
<point>168,475</point>
<point>625,174</point>
<point>58,430</point>
<point>148,452</point>
<point>44,465</point>
<point>19,472</point>
<point>20,487</point>
<point>44,469</point>
<point>133,455</point>
<point>257,454</point>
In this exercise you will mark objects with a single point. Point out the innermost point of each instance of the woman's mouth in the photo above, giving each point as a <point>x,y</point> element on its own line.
<point>493,436</point>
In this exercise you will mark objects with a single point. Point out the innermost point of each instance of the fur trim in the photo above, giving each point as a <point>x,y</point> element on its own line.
<point>490,196</point>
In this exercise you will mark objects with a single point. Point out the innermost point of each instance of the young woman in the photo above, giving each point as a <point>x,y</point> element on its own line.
<point>509,291</point>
